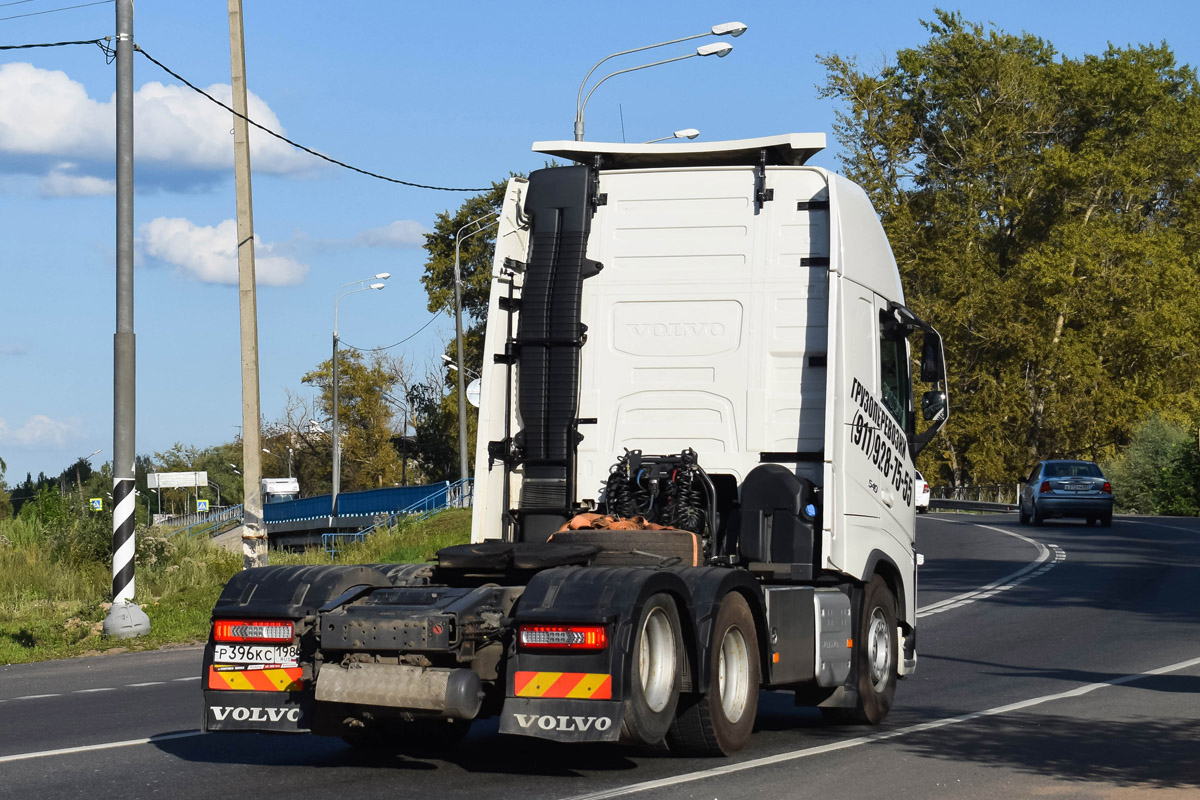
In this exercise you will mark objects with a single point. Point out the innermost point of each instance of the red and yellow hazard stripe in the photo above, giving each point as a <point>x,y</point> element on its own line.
<point>574,685</point>
<point>286,679</point>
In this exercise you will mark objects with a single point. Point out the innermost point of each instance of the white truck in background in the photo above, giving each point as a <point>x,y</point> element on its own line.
<point>693,478</point>
<point>279,490</point>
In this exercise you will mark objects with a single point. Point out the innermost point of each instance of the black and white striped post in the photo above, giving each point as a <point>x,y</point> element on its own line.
<point>124,619</point>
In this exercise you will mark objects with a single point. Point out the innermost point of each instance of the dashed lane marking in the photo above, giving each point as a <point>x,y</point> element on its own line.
<point>1049,556</point>
<point>100,689</point>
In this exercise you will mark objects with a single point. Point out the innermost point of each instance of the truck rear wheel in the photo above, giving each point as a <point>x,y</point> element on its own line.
<point>654,679</point>
<point>720,721</point>
<point>876,650</point>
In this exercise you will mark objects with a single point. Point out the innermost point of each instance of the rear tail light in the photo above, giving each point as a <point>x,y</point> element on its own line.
<point>239,630</point>
<point>562,637</point>
<point>926,489</point>
<point>1107,488</point>
<point>1045,487</point>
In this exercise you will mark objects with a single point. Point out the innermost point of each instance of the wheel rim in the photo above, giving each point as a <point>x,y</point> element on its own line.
<point>656,660</point>
<point>879,649</point>
<point>733,674</point>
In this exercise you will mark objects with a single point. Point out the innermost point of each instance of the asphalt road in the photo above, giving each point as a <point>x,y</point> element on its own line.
<point>1059,662</point>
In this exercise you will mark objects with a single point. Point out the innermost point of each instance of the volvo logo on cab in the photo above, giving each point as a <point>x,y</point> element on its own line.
<point>677,329</point>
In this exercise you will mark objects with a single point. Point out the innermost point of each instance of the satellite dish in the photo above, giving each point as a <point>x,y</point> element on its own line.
<point>473,392</point>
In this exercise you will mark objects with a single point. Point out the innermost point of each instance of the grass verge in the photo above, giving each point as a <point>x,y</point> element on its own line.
<point>51,607</point>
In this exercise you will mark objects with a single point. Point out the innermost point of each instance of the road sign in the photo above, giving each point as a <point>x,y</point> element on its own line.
<point>202,505</point>
<point>97,504</point>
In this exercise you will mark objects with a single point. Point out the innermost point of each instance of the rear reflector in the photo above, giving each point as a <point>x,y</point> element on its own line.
<point>237,630</point>
<point>562,637</point>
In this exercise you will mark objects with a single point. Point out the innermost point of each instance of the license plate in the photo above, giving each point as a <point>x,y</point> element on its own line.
<point>1076,487</point>
<point>256,654</point>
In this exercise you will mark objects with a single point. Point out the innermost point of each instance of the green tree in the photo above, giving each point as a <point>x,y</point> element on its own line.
<point>369,458</point>
<point>1044,214</point>
<point>475,266</point>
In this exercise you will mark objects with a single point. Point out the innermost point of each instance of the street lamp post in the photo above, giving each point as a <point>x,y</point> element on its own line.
<point>82,460</point>
<point>458,331</point>
<point>686,133</point>
<point>403,437</point>
<point>337,451</point>
<point>733,29</point>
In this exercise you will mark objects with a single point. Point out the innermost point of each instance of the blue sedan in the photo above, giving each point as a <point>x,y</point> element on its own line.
<point>1064,488</point>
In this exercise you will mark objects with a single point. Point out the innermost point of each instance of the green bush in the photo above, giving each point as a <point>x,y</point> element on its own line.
<point>1158,472</point>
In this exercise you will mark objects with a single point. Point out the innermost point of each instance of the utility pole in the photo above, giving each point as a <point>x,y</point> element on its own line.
<point>124,619</point>
<point>254,534</point>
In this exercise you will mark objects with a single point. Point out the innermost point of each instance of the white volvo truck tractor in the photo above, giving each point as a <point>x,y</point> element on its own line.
<point>693,479</point>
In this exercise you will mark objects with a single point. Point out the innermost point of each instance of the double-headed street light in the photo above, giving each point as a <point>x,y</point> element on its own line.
<point>337,451</point>
<point>479,227</point>
<point>722,49</point>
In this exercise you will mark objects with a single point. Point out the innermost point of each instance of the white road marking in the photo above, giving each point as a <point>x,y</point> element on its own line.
<point>794,755</point>
<point>100,689</point>
<point>105,746</point>
<point>1039,566</point>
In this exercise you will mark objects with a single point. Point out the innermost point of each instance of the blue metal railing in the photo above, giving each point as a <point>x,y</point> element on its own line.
<point>459,494</point>
<point>389,503</point>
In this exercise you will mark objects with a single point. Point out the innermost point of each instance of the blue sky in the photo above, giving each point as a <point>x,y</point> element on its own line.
<point>450,94</point>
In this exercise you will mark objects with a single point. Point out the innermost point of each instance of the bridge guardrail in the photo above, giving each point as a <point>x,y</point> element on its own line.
<point>970,505</point>
<point>459,494</point>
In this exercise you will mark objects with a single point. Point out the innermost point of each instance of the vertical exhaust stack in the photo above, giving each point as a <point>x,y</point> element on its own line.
<point>549,336</point>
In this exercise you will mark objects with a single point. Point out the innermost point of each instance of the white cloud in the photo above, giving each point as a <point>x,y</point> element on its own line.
<point>44,113</point>
<point>61,182</point>
<point>39,430</point>
<point>210,253</point>
<point>401,233</point>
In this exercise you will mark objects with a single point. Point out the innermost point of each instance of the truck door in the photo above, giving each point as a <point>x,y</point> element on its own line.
<point>895,394</point>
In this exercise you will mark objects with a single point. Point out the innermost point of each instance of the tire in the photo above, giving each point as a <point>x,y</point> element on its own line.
<point>655,673</point>
<point>1022,517</point>
<point>720,721</point>
<point>876,650</point>
<point>1106,520</point>
<point>1038,519</point>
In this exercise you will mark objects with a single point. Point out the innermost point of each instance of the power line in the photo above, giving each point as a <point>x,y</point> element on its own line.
<point>297,145</point>
<point>397,344</point>
<point>102,43</point>
<point>53,10</point>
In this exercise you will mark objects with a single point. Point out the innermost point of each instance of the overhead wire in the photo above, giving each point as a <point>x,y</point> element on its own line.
<point>297,145</point>
<point>100,41</point>
<point>432,319</point>
<point>53,10</point>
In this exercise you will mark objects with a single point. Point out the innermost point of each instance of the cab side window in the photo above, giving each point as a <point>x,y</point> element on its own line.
<point>894,384</point>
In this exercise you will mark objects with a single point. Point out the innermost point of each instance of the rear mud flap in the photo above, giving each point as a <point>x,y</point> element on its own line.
<point>276,712</point>
<point>562,720</point>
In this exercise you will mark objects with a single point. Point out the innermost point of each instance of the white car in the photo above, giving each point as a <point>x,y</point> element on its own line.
<point>920,494</point>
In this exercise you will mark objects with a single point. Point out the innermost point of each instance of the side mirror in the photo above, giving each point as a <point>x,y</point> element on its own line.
<point>933,405</point>
<point>930,362</point>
